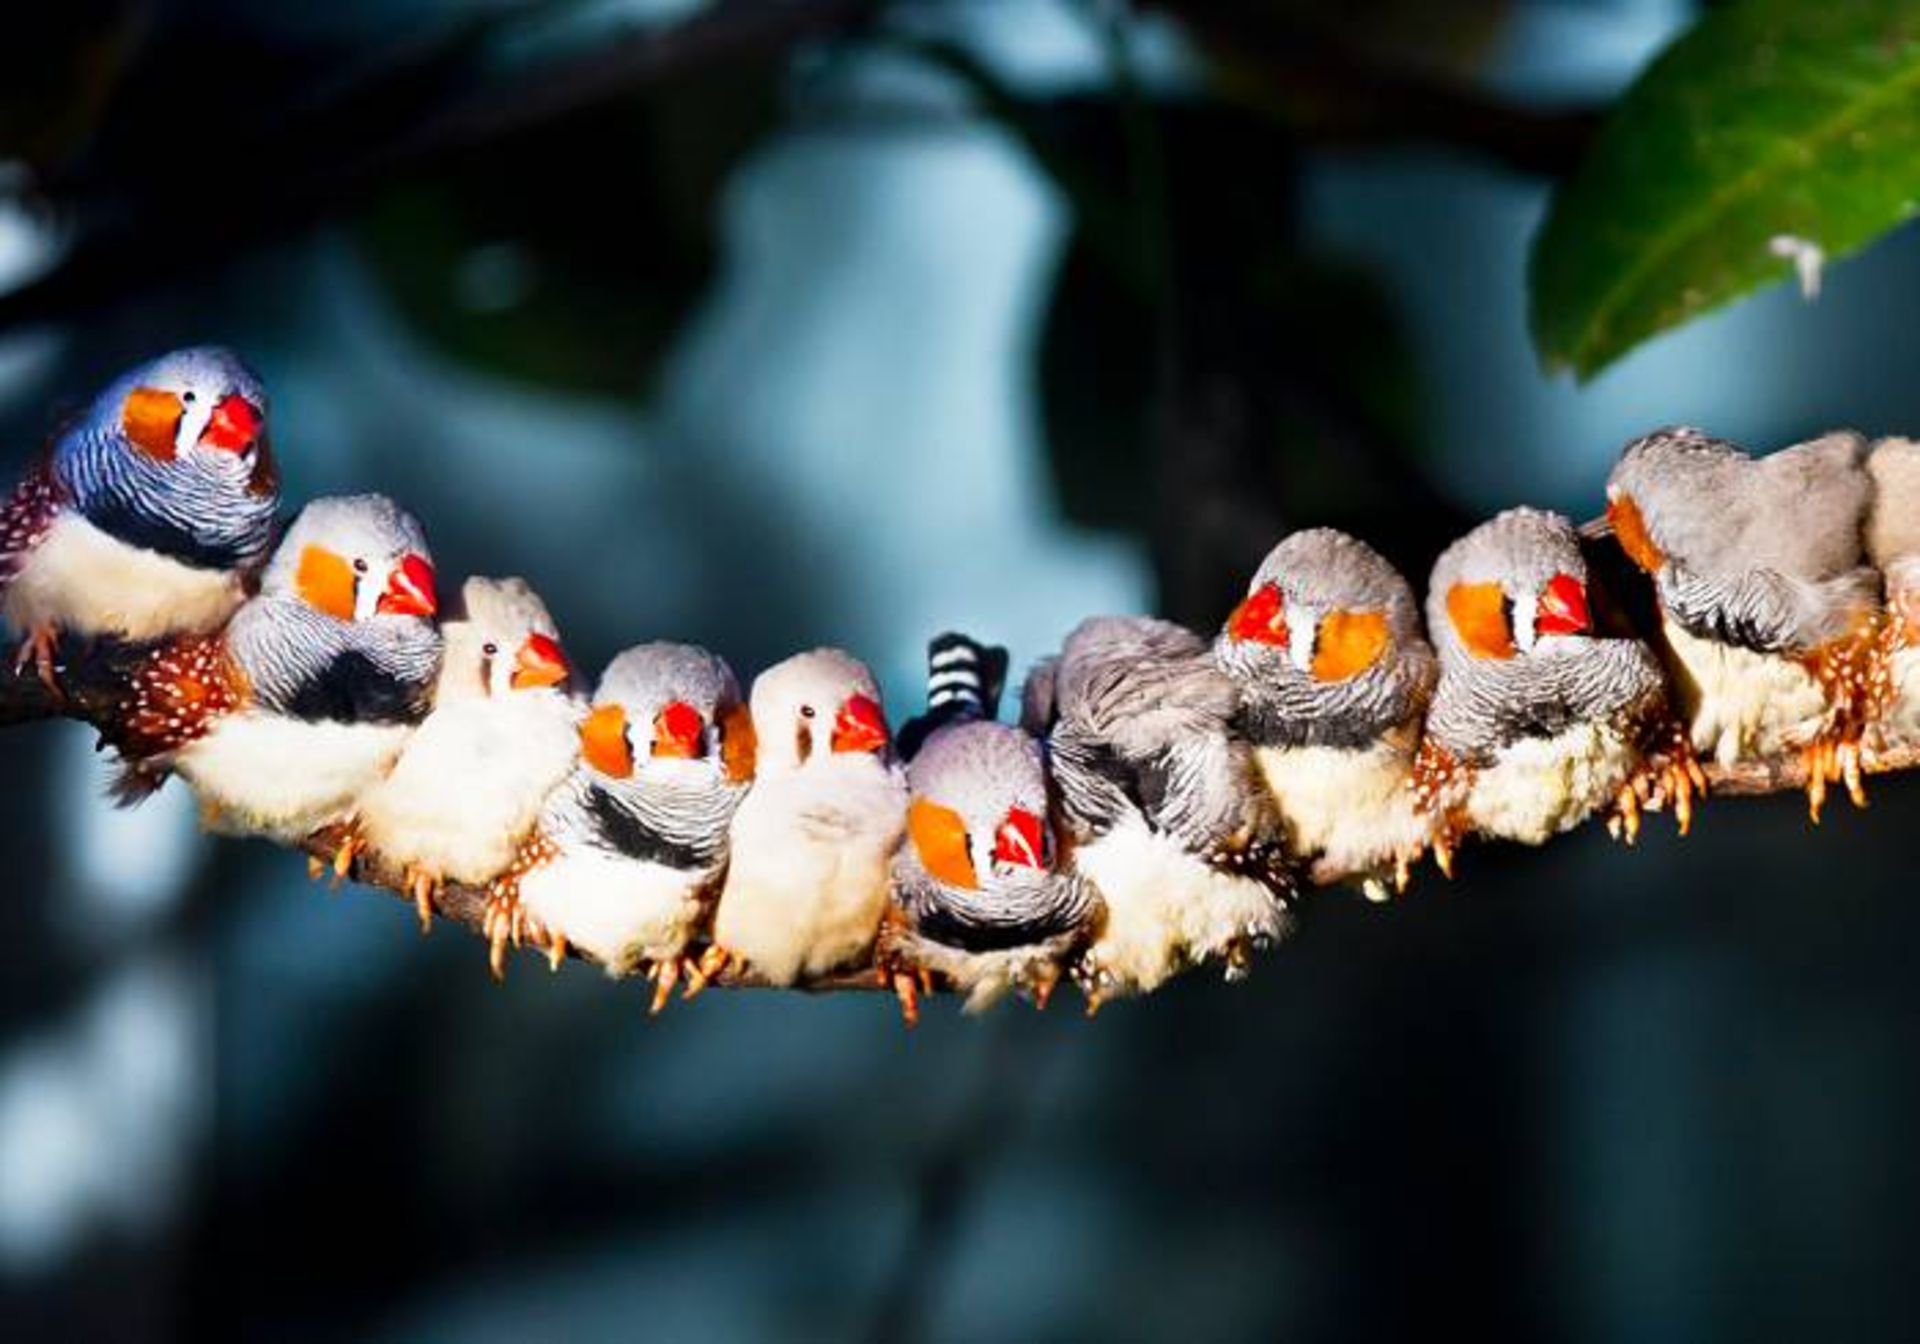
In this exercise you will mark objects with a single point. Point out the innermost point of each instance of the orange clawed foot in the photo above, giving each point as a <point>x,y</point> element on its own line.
<point>506,921</point>
<point>908,984</point>
<point>714,962</point>
<point>423,886</point>
<point>1832,760</point>
<point>666,974</point>
<point>36,651</point>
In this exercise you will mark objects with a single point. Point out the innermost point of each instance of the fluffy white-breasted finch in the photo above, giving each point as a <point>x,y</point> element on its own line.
<point>629,850</point>
<point>502,736</point>
<point>1539,721</point>
<point>980,901</point>
<point>1161,802</point>
<point>1893,544</point>
<point>1767,604</point>
<point>283,720</point>
<point>149,514</point>
<point>812,844</point>
<point>1334,677</point>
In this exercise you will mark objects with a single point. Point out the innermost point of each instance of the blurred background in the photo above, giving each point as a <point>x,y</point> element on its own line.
<point>775,324</point>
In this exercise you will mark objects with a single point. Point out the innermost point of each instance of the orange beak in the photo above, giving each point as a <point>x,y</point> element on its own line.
<point>603,742</point>
<point>860,725</point>
<point>1262,618</point>
<point>677,730</point>
<point>409,589</point>
<point>233,427</point>
<point>1562,609</point>
<point>1021,840</point>
<point>540,662</point>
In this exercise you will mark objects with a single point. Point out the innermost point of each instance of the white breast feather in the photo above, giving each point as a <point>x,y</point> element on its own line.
<point>1740,704</point>
<point>1354,810</point>
<point>622,911</point>
<point>470,784</point>
<point>1165,908</point>
<point>283,778</point>
<point>1539,787</point>
<point>86,582</point>
<point>808,878</point>
<point>1900,723</point>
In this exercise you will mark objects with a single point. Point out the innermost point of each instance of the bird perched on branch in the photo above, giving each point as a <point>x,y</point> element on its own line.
<point>979,899</point>
<point>627,853</point>
<point>148,515</point>
<point>501,737</point>
<point>1893,544</point>
<point>1539,721</point>
<point>1161,802</point>
<point>812,844</point>
<point>1334,679</point>
<point>284,719</point>
<point>1768,607</point>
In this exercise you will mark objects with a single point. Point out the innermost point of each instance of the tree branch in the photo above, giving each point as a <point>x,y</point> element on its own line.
<point>91,677</point>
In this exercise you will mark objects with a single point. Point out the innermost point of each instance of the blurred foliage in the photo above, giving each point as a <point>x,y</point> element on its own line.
<point>1453,38</point>
<point>1770,118</point>
<point>59,68</point>
<point>571,255</point>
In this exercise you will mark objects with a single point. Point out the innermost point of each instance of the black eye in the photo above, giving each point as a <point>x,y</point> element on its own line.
<point>806,711</point>
<point>187,397</point>
<point>489,648</point>
<point>359,566</point>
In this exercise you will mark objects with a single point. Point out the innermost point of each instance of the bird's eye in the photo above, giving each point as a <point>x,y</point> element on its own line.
<point>359,565</point>
<point>490,648</point>
<point>806,711</point>
<point>187,397</point>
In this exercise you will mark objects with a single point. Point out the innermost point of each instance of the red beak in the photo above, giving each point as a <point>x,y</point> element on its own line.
<point>1262,618</point>
<point>540,662</point>
<point>1562,609</point>
<point>233,427</point>
<point>1021,840</point>
<point>860,725</point>
<point>409,589</point>
<point>677,730</point>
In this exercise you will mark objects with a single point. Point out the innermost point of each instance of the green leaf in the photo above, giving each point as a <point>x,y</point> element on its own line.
<point>1770,119</point>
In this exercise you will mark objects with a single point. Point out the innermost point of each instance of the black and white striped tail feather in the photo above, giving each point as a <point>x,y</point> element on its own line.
<point>965,679</point>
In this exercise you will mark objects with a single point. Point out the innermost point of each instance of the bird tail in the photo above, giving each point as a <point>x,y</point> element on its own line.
<point>133,784</point>
<point>965,674</point>
<point>965,679</point>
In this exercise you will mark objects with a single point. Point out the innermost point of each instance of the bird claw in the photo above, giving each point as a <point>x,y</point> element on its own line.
<point>423,886</point>
<point>37,651</point>
<point>907,987</point>
<point>713,962</point>
<point>344,854</point>
<point>505,921</point>
<point>1669,774</point>
<point>666,973</point>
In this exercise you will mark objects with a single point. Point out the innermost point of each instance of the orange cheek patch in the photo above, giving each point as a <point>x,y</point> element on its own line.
<point>150,418</point>
<point>940,838</point>
<point>1350,642</point>
<point>1479,615</point>
<point>326,582</point>
<point>603,742</point>
<point>1630,530</point>
<point>738,746</point>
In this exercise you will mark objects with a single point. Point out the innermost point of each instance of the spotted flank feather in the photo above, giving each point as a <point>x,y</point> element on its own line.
<point>172,698</point>
<point>26,518</point>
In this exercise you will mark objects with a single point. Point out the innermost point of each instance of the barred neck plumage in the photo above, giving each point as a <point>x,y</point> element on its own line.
<point>678,823</point>
<point>305,664</point>
<point>1006,911</point>
<point>205,510</point>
